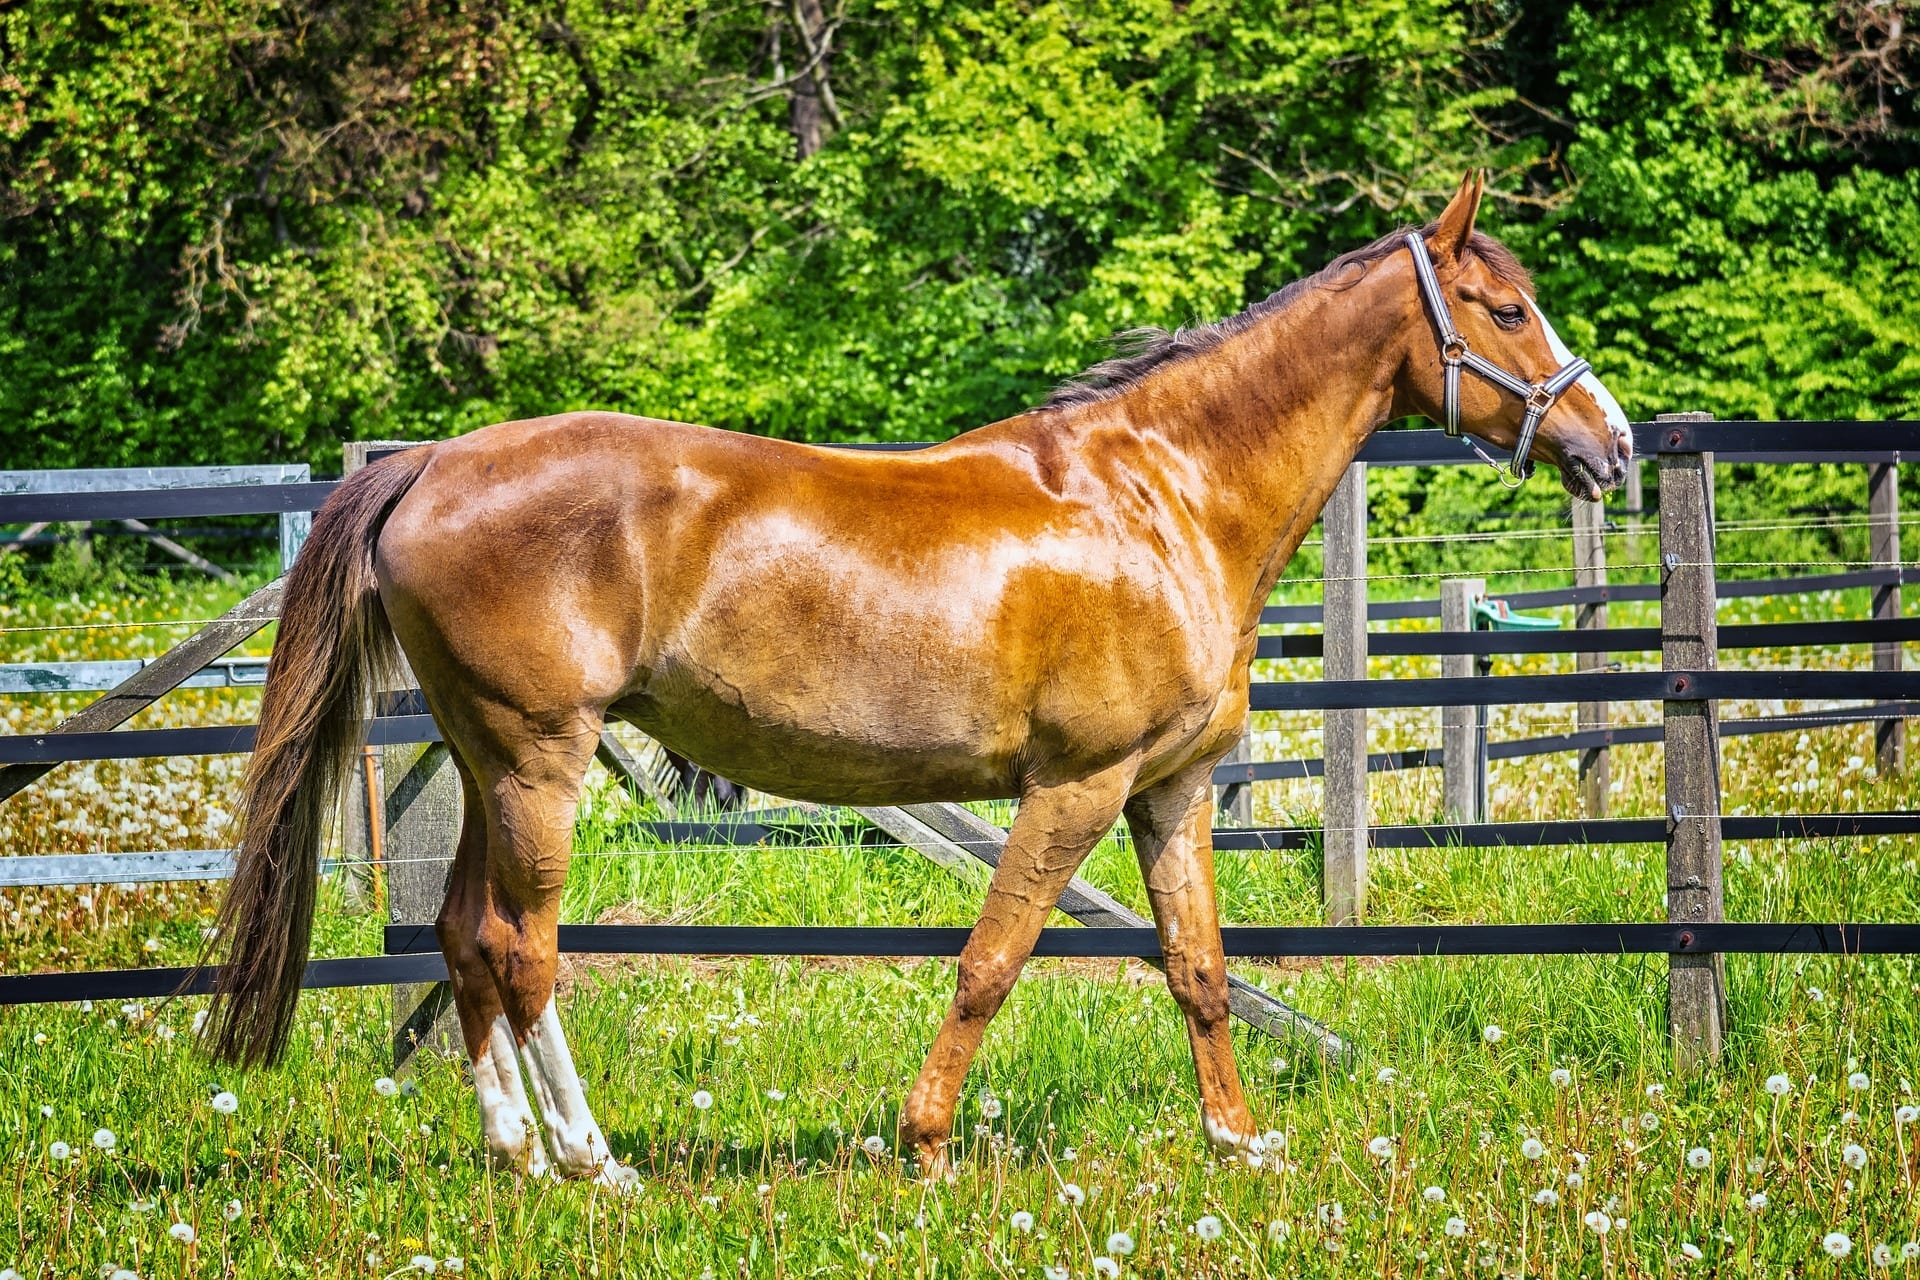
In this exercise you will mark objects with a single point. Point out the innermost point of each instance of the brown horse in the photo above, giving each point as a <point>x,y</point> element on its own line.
<point>1060,607</point>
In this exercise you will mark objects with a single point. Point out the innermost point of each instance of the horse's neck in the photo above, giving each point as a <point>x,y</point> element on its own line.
<point>1270,420</point>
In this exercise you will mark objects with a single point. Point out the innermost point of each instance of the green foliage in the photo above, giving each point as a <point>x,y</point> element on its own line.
<point>251,229</point>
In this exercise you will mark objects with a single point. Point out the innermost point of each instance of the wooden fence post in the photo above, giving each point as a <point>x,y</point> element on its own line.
<point>1463,779</point>
<point>1344,851</point>
<point>1883,516</point>
<point>1696,983</point>
<point>1234,801</point>
<point>1590,570</point>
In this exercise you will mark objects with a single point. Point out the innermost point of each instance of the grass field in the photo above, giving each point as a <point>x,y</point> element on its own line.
<point>1559,1144</point>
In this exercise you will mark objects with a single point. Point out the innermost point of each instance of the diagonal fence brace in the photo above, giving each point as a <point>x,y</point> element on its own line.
<point>155,680</point>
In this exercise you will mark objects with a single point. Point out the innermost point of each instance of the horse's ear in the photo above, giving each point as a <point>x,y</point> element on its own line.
<point>1448,241</point>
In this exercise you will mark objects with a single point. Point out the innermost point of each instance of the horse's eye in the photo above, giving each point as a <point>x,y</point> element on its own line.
<point>1510,317</point>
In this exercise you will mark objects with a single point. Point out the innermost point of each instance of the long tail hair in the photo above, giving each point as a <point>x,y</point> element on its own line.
<point>334,649</point>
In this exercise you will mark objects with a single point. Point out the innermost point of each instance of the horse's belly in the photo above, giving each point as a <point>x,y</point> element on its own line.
<point>863,756</point>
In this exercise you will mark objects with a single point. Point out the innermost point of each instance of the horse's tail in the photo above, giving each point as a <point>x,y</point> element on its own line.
<point>333,650</point>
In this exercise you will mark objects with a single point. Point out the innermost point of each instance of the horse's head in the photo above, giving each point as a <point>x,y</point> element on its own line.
<point>1506,357</point>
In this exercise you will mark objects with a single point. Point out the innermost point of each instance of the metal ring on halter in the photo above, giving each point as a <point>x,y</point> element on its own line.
<point>1455,354</point>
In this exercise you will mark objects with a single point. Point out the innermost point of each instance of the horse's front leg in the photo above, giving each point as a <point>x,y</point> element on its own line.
<point>1055,829</point>
<point>1172,831</point>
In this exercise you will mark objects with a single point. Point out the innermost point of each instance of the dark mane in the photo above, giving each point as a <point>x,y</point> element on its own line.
<point>1147,350</point>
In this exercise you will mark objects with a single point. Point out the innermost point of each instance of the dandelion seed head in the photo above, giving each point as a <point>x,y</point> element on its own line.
<point>1560,1077</point>
<point>1533,1148</point>
<point>1021,1221</point>
<point>1910,1250</point>
<point>1456,1227</point>
<point>1837,1243</point>
<point>1208,1228</point>
<point>103,1139</point>
<point>990,1106</point>
<point>1278,1230</point>
<point>424,1263</point>
<point>225,1103</point>
<point>1073,1193</point>
<point>182,1232</point>
<point>1859,1082</point>
<point>1105,1266</point>
<point>1906,1114</point>
<point>1546,1197</point>
<point>59,1150</point>
<point>1691,1252</point>
<point>1386,1075</point>
<point>1699,1158</point>
<point>874,1145</point>
<point>701,1100</point>
<point>1598,1222</point>
<point>1649,1122</point>
<point>1779,1085</point>
<point>1433,1195</point>
<point>456,1265</point>
<point>1380,1148</point>
<point>1854,1156</point>
<point>1757,1201</point>
<point>1492,1033</point>
<point>385,1087</point>
<point>233,1211</point>
<point>1121,1243</point>
<point>1882,1255</point>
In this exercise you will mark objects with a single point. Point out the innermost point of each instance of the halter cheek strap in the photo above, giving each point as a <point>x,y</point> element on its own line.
<point>1455,355</point>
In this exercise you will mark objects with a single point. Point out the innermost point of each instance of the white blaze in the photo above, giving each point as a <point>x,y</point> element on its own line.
<point>1616,417</point>
<point>578,1146</point>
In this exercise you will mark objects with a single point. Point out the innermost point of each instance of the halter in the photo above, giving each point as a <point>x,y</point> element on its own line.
<point>1454,353</point>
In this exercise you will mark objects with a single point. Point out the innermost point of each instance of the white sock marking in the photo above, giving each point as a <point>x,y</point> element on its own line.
<point>506,1118</point>
<point>578,1146</point>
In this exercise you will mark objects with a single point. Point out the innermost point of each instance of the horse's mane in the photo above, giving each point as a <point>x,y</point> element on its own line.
<point>1149,349</point>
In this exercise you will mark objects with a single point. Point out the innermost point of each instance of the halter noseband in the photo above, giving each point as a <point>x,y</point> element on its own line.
<point>1454,354</point>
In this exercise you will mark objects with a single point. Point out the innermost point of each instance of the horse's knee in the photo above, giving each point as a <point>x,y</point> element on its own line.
<point>983,986</point>
<point>1198,985</point>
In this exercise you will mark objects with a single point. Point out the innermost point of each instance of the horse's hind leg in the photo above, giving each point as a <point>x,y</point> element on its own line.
<point>506,1117</point>
<point>1173,839</point>
<point>528,793</point>
<point>1052,834</point>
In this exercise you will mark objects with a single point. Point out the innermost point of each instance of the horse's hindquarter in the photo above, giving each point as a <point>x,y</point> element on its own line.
<point>844,626</point>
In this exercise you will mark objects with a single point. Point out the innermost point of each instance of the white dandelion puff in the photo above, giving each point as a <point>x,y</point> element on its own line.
<point>1021,1221</point>
<point>990,1106</point>
<point>1533,1149</point>
<point>1699,1158</point>
<point>1560,1077</point>
<point>1121,1243</point>
<point>1690,1251</point>
<point>1854,1156</point>
<point>1906,1114</point>
<point>225,1103</point>
<point>59,1150</point>
<point>1779,1085</point>
<point>1492,1033</point>
<point>1598,1222</point>
<point>874,1145</point>
<point>1546,1197</point>
<point>1105,1266</point>
<point>1656,1091</point>
<point>1433,1195</point>
<point>1649,1122</point>
<point>1910,1250</point>
<point>1456,1227</point>
<point>233,1211</point>
<point>1757,1201</point>
<point>455,1265</point>
<point>1072,1193</point>
<point>1859,1082</point>
<point>182,1232</point>
<point>1054,1272</point>
<point>1386,1075</point>
<point>776,1095</point>
<point>1278,1230</point>
<point>1883,1255</point>
<point>104,1139</point>
<point>424,1263</point>
<point>701,1099</point>
<point>1208,1228</point>
<point>1837,1243</point>
<point>385,1087</point>
<point>1381,1148</point>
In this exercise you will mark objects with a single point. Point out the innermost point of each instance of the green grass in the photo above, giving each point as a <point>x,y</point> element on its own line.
<point>1088,1061</point>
